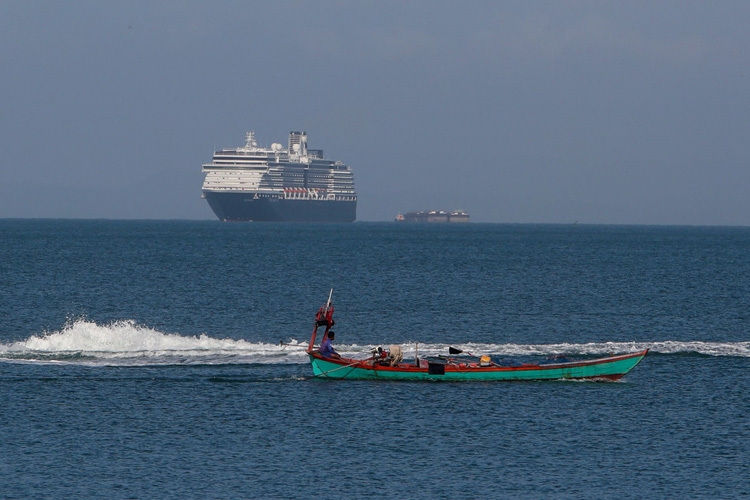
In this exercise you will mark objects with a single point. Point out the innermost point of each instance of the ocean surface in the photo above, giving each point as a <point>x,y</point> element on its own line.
<point>164,359</point>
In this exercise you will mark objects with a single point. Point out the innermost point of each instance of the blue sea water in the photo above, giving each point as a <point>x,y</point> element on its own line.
<point>164,359</point>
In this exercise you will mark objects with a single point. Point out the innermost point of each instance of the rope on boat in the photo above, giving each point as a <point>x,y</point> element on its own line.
<point>335,369</point>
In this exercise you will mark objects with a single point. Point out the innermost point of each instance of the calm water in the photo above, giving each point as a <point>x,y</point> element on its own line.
<point>142,359</point>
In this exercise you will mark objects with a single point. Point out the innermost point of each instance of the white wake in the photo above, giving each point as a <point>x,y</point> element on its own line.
<point>124,343</point>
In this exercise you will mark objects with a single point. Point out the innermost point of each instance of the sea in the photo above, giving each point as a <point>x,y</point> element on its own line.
<point>165,359</point>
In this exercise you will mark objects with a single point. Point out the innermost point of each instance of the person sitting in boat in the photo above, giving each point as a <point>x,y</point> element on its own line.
<point>387,357</point>
<point>326,349</point>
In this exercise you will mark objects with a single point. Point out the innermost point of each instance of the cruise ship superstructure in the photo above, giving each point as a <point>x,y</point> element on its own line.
<point>296,184</point>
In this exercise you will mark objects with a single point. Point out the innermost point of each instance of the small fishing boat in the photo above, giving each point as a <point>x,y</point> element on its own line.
<point>388,364</point>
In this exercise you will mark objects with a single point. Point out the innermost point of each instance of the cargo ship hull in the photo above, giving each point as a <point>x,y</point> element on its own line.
<point>434,216</point>
<point>245,207</point>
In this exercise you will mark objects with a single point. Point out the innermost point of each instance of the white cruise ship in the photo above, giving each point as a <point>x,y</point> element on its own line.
<point>296,184</point>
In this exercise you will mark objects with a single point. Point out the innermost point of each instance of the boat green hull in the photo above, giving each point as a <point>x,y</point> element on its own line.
<point>610,368</point>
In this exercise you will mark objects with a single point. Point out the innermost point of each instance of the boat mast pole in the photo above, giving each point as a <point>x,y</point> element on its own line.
<point>312,337</point>
<point>328,307</point>
<point>315,327</point>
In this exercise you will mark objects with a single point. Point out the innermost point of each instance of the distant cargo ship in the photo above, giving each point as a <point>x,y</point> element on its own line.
<point>433,216</point>
<point>253,183</point>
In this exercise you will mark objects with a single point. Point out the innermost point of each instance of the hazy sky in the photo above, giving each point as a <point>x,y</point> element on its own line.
<point>597,112</point>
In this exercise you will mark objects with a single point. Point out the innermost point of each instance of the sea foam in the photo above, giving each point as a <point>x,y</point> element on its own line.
<point>127,343</point>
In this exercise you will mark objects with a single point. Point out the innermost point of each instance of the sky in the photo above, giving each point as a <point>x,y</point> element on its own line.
<point>594,112</point>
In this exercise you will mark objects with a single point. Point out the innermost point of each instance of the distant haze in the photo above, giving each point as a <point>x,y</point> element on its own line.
<point>515,111</point>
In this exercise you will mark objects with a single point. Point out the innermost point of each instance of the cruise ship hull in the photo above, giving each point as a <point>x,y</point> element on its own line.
<point>245,207</point>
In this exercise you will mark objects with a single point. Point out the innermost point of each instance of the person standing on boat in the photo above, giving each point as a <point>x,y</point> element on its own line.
<point>326,349</point>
